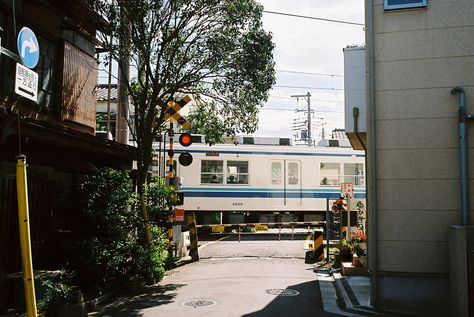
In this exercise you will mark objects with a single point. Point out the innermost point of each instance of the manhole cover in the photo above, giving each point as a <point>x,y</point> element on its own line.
<point>282,292</point>
<point>199,303</point>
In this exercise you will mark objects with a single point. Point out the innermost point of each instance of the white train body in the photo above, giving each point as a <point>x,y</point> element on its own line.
<point>276,183</point>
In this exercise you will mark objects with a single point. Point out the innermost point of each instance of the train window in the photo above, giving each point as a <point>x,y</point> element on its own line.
<point>329,174</point>
<point>276,173</point>
<point>237,172</point>
<point>293,173</point>
<point>212,172</point>
<point>354,173</point>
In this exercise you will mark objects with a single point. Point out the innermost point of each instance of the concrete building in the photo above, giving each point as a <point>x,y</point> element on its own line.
<point>417,52</point>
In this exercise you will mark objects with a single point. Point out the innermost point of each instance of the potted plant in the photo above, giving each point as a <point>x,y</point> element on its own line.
<point>346,250</point>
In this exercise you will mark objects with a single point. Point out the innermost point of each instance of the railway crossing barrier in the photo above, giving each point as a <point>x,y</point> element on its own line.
<point>239,227</point>
<point>193,251</point>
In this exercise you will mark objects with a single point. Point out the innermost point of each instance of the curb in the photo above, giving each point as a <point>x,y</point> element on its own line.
<point>348,301</point>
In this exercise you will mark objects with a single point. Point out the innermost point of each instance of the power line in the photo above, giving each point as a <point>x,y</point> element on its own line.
<point>307,73</point>
<point>293,109</point>
<point>320,100</point>
<point>313,18</point>
<point>306,87</point>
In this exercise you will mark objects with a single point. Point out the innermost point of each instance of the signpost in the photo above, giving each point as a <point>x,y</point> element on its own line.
<point>26,82</point>
<point>28,47</point>
<point>347,190</point>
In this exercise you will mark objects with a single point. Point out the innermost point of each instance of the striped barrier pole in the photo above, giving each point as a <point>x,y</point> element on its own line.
<point>292,232</point>
<point>279,233</point>
<point>239,233</point>
<point>193,250</point>
<point>318,246</point>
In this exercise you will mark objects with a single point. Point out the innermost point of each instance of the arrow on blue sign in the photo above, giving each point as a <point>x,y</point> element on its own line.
<point>28,47</point>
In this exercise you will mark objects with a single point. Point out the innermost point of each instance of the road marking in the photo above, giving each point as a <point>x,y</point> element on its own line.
<point>223,238</point>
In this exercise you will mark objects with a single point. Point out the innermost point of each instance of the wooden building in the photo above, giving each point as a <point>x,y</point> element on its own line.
<point>56,133</point>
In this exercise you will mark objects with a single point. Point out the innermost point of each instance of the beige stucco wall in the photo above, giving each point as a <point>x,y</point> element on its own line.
<point>420,55</point>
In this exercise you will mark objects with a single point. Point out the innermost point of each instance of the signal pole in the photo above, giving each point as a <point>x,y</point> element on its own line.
<point>308,100</point>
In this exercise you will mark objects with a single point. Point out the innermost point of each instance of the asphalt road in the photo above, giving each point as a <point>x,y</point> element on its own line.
<point>254,277</point>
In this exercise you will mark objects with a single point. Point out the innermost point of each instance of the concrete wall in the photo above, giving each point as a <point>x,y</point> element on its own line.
<point>419,56</point>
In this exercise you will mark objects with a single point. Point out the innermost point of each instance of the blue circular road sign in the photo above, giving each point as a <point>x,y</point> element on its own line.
<point>28,47</point>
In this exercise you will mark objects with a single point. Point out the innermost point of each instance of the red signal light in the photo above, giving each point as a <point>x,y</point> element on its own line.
<point>185,139</point>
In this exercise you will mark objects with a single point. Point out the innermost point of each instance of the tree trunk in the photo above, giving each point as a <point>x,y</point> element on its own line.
<point>143,165</point>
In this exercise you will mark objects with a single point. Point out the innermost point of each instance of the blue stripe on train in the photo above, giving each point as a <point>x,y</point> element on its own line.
<point>261,194</point>
<point>269,153</point>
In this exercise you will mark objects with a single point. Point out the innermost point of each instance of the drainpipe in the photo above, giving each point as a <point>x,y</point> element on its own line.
<point>372,217</point>
<point>463,117</point>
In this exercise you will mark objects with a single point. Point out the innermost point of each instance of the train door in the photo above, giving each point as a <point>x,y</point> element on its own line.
<point>286,183</point>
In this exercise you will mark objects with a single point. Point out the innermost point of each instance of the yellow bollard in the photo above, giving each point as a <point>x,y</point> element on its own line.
<point>25,241</point>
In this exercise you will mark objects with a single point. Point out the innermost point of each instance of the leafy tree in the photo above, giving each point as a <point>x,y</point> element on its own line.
<point>213,50</point>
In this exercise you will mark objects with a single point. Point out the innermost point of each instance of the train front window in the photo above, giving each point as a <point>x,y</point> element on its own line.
<point>212,172</point>
<point>237,172</point>
<point>354,173</point>
<point>329,174</point>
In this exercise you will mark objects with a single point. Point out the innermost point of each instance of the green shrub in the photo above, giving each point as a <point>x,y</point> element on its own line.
<point>58,293</point>
<point>111,245</point>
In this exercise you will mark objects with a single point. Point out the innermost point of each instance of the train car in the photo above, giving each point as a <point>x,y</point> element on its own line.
<point>262,183</point>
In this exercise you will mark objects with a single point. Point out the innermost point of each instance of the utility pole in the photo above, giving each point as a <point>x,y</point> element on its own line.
<point>122,118</point>
<point>308,100</point>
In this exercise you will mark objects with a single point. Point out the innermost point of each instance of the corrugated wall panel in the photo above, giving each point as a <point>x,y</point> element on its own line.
<point>79,86</point>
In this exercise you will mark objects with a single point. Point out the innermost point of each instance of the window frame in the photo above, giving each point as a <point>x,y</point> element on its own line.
<point>224,173</point>
<point>49,53</point>
<point>227,174</point>
<point>388,7</point>
<point>342,175</point>
<point>201,173</point>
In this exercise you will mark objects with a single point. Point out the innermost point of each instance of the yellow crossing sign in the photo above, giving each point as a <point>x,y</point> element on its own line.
<point>171,112</point>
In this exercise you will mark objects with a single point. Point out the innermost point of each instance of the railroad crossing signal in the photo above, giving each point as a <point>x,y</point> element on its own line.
<point>171,112</point>
<point>185,158</point>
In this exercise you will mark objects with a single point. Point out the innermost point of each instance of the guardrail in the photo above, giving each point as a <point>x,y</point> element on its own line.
<point>221,228</point>
<point>268,225</point>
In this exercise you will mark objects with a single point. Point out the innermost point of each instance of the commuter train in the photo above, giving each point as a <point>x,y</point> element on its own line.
<point>265,182</point>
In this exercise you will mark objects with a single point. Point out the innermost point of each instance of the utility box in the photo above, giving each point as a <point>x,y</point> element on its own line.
<point>461,270</point>
<point>355,96</point>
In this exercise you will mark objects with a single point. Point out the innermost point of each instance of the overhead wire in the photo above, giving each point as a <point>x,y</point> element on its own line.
<point>307,87</point>
<point>307,73</point>
<point>313,18</point>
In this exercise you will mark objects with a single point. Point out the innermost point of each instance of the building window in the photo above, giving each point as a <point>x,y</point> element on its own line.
<point>329,174</point>
<point>46,71</point>
<point>237,172</point>
<point>403,4</point>
<point>212,172</point>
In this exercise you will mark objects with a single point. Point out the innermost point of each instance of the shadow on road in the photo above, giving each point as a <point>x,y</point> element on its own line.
<point>130,304</point>
<point>307,303</point>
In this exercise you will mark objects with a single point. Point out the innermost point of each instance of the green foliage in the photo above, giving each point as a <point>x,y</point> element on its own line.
<point>58,293</point>
<point>213,50</point>
<point>111,246</point>
<point>159,196</point>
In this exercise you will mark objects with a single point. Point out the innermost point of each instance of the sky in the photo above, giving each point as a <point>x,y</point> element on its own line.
<point>310,46</point>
